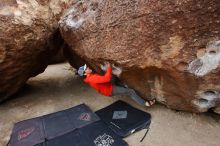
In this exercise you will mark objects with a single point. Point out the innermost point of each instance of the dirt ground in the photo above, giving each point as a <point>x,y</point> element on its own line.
<point>58,88</point>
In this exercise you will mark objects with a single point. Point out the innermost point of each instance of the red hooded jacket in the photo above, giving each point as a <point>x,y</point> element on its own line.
<point>101,83</point>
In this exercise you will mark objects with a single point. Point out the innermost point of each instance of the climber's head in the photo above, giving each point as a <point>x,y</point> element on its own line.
<point>84,70</point>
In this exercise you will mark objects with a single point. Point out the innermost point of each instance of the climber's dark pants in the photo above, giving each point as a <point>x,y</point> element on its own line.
<point>120,90</point>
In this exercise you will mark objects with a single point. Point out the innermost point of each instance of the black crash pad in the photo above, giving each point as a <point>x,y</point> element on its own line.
<point>37,130</point>
<point>59,123</point>
<point>124,119</point>
<point>95,134</point>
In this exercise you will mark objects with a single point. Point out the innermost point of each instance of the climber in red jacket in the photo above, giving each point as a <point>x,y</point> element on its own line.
<point>102,84</point>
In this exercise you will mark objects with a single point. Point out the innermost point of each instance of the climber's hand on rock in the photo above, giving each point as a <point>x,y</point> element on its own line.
<point>105,66</point>
<point>108,64</point>
<point>116,70</point>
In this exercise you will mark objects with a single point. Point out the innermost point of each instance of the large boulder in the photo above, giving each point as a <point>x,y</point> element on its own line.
<point>29,37</point>
<point>168,49</point>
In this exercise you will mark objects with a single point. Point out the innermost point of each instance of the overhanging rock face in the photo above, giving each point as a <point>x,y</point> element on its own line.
<point>168,49</point>
<point>28,39</point>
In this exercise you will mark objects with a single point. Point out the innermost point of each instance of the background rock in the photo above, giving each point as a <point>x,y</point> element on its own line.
<point>167,49</point>
<point>59,57</point>
<point>28,39</point>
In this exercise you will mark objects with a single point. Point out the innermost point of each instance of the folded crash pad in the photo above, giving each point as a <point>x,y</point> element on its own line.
<point>124,119</point>
<point>38,130</point>
<point>95,134</point>
<point>59,123</point>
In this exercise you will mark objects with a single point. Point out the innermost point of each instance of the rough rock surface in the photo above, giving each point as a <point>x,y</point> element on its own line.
<point>167,49</point>
<point>28,38</point>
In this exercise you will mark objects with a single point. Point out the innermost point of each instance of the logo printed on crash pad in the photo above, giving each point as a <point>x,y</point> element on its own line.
<point>85,117</point>
<point>104,140</point>
<point>120,115</point>
<point>25,133</point>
